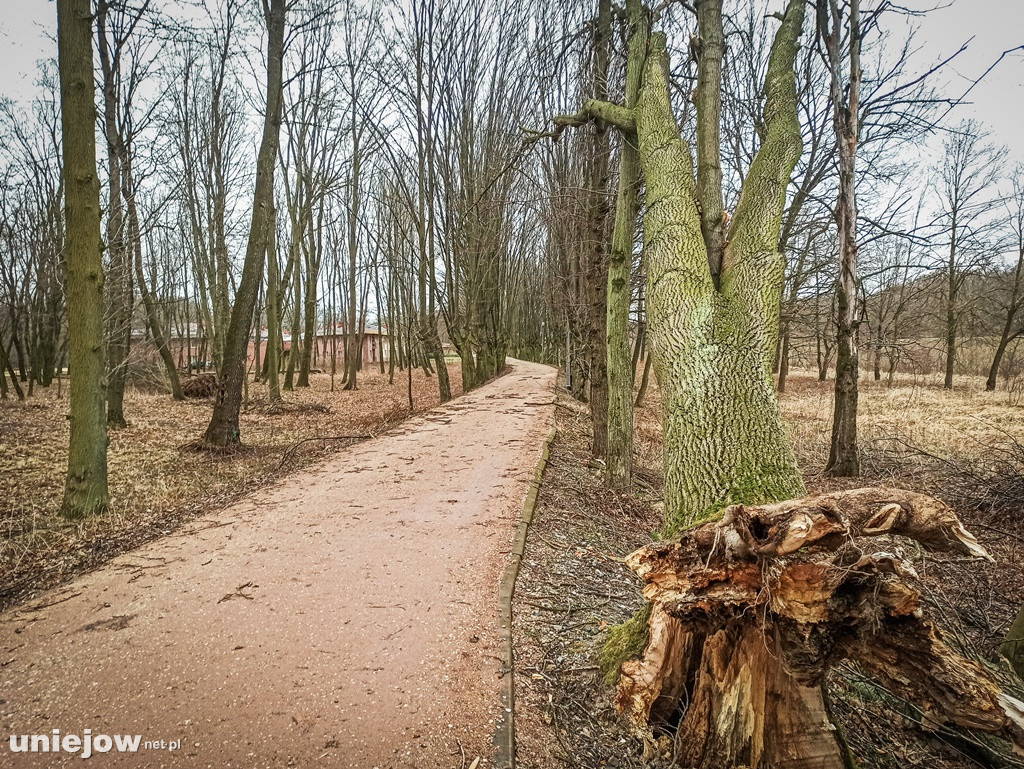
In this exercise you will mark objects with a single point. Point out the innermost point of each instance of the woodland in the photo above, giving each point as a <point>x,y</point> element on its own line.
<point>777,265</point>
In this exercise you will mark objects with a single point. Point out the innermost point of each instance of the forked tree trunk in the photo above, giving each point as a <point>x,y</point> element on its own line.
<point>223,430</point>
<point>85,492</point>
<point>713,344</point>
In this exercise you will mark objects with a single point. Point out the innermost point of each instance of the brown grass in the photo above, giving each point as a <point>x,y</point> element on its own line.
<point>156,479</point>
<point>958,424</point>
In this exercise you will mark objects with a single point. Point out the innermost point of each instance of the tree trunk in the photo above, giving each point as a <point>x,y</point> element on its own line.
<point>595,269</point>
<point>784,358</point>
<point>746,710</point>
<point>352,338</point>
<point>273,359</point>
<point>293,351</point>
<point>713,345</point>
<point>119,326</point>
<point>997,359</point>
<point>5,353</point>
<point>223,430</point>
<point>952,292</point>
<point>1013,646</point>
<point>947,382</point>
<point>641,393</point>
<point>85,492</point>
<point>844,460</point>
<point>774,596</point>
<point>308,312</point>
<point>619,454</point>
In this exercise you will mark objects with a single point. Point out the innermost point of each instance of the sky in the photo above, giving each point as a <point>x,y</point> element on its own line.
<point>27,32</point>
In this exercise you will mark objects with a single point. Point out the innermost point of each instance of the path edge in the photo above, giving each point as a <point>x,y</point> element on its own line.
<point>505,728</point>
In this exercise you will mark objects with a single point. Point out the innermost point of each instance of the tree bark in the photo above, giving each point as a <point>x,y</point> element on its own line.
<point>710,48</point>
<point>223,430</point>
<point>273,359</point>
<point>119,327</point>
<point>844,460</point>
<point>352,338</point>
<point>713,345</point>
<point>85,492</point>
<point>619,454</point>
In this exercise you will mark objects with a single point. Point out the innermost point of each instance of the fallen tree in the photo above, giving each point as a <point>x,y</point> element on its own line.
<point>748,614</point>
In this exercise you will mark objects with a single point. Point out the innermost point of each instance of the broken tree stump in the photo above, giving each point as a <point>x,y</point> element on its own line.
<point>749,613</point>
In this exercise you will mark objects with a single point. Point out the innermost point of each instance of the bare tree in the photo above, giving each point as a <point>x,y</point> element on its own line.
<point>1014,291</point>
<point>85,492</point>
<point>965,188</point>
<point>223,430</point>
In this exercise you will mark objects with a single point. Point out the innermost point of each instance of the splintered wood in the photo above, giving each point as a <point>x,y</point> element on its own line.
<point>749,612</point>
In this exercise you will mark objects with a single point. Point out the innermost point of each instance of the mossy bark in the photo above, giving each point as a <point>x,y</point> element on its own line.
<point>619,457</point>
<point>713,344</point>
<point>1013,646</point>
<point>85,491</point>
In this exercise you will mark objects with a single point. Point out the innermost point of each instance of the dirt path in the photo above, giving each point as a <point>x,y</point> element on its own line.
<point>346,617</point>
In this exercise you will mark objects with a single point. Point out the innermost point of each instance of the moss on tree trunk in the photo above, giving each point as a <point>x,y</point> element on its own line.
<point>85,492</point>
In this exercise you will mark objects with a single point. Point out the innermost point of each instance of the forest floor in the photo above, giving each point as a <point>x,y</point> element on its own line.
<point>346,616</point>
<point>965,446</point>
<point>157,478</point>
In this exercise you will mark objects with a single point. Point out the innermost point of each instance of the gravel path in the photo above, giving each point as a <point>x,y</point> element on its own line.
<point>346,617</point>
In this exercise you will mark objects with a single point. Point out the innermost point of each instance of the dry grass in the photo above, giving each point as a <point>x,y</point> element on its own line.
<point>156,479</point>
<point>915,414</point>
<point>959,424</point>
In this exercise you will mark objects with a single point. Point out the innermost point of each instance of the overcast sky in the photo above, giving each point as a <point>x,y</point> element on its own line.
<point>27,28</point>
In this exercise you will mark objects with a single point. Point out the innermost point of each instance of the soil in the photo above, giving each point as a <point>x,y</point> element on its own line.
<point>345,617</point>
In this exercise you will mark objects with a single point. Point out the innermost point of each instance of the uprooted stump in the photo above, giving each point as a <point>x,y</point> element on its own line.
<point>748,613</point>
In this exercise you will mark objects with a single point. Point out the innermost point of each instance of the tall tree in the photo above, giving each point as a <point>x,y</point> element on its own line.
<point>968,176</point>
<point>1014,294</point>
<point>620,369</point>
<point>844,459</point>
<point>223,430</point>
<point>85,492</point>
<point>595,269</point>
<point>713,322</point>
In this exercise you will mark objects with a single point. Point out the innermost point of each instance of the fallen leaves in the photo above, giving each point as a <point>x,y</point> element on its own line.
<point>155,482</point>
